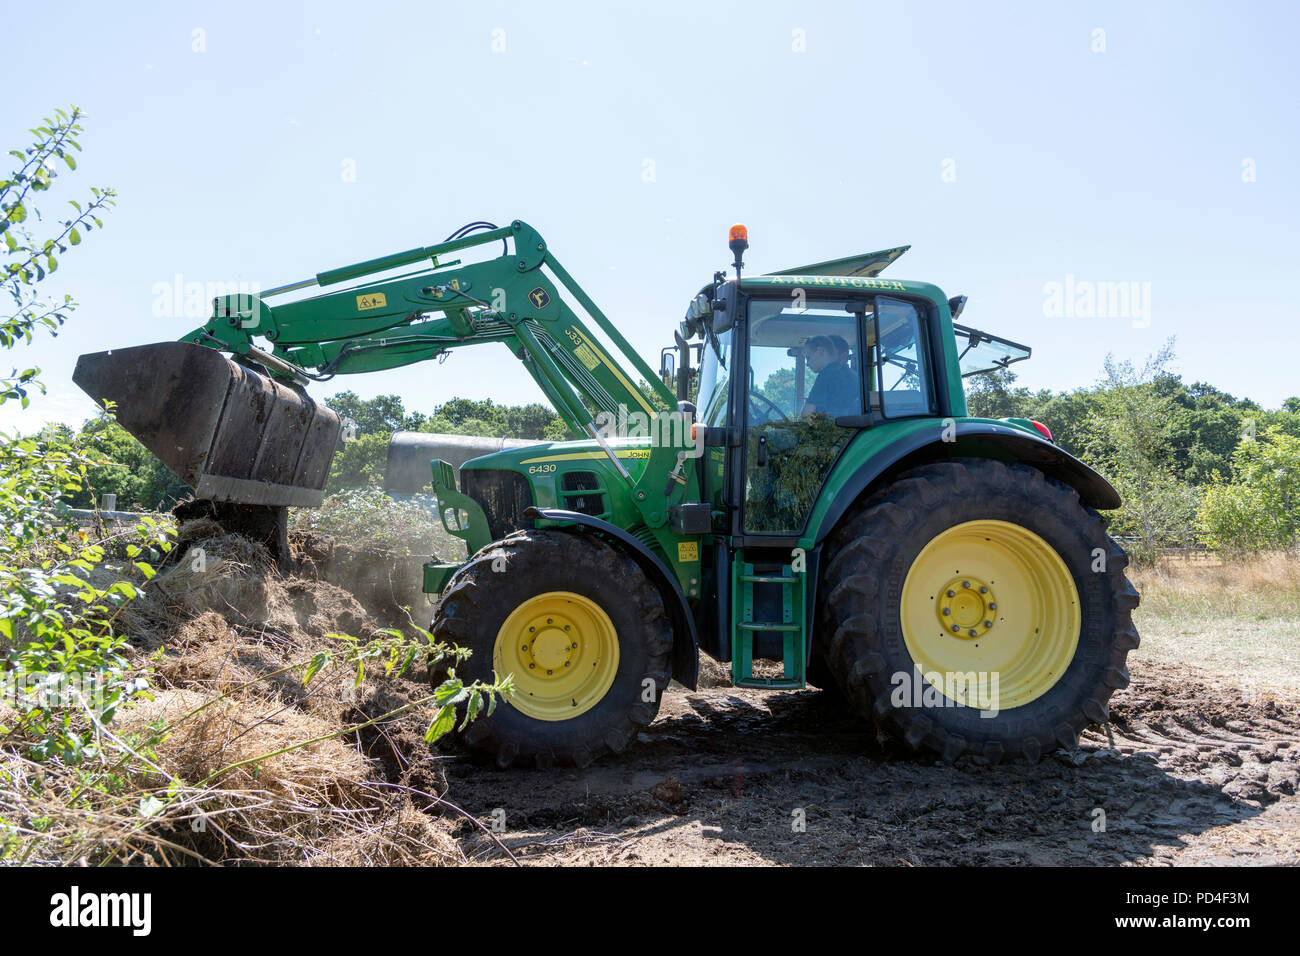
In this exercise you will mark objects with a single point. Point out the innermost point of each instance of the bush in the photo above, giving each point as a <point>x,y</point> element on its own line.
<point>1259,508</point>
<point>368,518</point>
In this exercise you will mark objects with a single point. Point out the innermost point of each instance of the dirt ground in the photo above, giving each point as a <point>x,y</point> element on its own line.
<point>1200,765</point>
<point>1196,774</point>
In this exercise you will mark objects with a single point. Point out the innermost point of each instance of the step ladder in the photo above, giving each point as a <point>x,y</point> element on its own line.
<point>786,587</point>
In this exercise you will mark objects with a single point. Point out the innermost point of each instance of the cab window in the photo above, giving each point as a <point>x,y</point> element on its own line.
<point>902,385</point>
<point>805,367</point>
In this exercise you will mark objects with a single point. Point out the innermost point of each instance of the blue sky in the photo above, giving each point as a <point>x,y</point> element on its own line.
<point>1012,145</point>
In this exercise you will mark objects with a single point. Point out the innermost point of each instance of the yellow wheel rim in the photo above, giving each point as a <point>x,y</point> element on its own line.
<point>562,649</point>
<point>993,599</point>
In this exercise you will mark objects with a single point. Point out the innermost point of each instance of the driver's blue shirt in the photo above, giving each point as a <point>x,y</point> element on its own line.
<point>836,391</point>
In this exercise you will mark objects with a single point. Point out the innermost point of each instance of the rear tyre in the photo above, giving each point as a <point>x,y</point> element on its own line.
<point>584,633</point>
<point>977,607</point>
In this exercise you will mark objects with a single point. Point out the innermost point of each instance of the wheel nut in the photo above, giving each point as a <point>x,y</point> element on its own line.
<point>952,594</point>
<point>574,645</point>
<point>548,620</point>
<point>965,584</point>
<point>531,666</point>
<point>947,611</point>
<point>972,633</point>
<point>988,623</point>
<point>566,663</point>
<point>993,607</point>
<point>548,672</point>
<point>955,629</point>
<point>983,589</point>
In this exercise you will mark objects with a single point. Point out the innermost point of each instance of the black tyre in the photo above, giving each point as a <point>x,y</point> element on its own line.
<point>582,629</point>
<point>909,610</point>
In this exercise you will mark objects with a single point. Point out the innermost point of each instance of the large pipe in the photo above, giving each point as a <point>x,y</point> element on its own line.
<point>409,454</point>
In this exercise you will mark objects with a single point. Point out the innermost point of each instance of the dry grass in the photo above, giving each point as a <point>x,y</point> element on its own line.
<point>1239,617</point>
<point>234,760</point>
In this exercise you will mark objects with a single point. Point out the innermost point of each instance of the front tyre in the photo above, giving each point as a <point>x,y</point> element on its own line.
<point>584,633</point>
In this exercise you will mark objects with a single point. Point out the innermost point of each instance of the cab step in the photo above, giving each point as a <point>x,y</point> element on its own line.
<point>767,609</point>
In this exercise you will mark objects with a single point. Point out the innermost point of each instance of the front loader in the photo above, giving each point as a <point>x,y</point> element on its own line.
<point>798,491</point>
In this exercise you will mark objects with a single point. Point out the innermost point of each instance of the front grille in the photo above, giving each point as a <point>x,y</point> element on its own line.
<point>502,494</point>
<point>581,492</point>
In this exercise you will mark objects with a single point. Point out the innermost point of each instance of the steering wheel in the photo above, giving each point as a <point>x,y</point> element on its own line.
<point>753,394</point>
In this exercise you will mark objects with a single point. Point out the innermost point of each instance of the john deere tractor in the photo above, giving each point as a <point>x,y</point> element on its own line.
<point>798,490</point>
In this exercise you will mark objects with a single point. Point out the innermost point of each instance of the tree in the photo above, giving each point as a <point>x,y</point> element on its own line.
<point>29,258</point>
<point>466,416</point>
<point>128,470</point>
<point>1129,438</point>
<point>1260,507</point>
<point>991,395</point>
<point>383,413</point>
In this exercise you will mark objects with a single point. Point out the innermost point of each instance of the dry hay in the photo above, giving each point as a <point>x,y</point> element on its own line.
<point>223,795</point>
<point>207,735</point>
<point>315,803</point>
<point>230,636</point>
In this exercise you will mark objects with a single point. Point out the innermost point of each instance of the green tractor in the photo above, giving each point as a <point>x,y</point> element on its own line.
<point>798,491</point>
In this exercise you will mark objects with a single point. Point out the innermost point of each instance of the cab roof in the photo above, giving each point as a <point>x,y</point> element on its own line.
<point>847,283</point>
<point>867,265</point>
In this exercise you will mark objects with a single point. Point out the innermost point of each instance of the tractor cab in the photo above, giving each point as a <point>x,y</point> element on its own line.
<point>800,365</point>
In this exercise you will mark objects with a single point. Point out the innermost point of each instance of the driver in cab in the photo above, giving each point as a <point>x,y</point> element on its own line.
<point>836,391</point>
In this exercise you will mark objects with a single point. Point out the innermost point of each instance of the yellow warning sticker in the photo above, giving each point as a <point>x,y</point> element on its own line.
<point>688,551</point>
<point>374,300</point>
<point>587,356</point>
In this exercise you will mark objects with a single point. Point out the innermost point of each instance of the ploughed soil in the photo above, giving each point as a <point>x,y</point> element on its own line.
<point>1193,769</point>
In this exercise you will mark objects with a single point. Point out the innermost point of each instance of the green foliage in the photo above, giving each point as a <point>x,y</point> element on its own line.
<point>464,416</point>
<point>391,649</point>
<point>360,462</point>
<point>30,257</point>
<point>1129,437</point>
<point>62,660</point>
<point>1260,507</point>
<point>128,470</point>
<point>370,423</point>
<point>58,601</point>
<point>368,518</point>
<point>382,414</point>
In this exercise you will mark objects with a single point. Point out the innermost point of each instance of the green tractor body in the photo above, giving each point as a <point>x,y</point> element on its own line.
<point>808,501</point>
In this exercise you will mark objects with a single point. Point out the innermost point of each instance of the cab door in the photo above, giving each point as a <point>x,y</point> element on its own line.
<point>790,396</point>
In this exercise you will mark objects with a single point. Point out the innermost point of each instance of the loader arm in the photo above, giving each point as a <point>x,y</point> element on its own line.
<point>512,299</point>
<point>246,432</point>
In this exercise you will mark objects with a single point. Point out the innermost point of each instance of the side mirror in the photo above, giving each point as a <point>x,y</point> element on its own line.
<point>668,366</point>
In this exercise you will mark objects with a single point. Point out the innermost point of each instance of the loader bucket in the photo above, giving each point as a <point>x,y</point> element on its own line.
<point>228,432</point>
